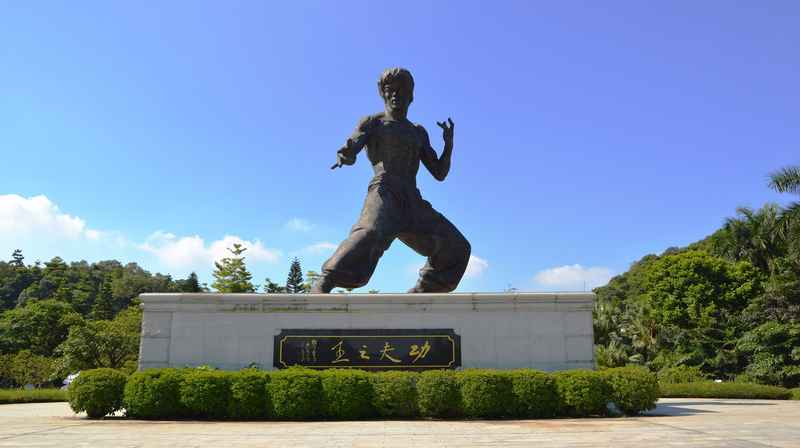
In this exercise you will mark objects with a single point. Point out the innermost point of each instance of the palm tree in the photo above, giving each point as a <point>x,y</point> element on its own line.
<point>752,236</point>
<point>787,180</point>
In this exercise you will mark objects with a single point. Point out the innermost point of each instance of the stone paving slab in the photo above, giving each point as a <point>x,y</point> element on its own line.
<point>675,423</point>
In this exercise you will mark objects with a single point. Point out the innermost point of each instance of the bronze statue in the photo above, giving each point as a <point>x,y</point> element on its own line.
<point>394,207</point>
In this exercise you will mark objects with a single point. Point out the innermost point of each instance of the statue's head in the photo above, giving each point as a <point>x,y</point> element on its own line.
<point>396,87</point>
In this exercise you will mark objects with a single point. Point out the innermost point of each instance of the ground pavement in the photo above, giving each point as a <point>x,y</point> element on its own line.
<point>675,423</point>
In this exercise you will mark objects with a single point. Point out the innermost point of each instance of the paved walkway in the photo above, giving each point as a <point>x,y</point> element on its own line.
<point>675,423</point>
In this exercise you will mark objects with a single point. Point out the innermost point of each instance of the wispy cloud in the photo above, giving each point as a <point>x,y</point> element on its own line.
<point>573,277</point>
<point>323,247</point>
<point>299,225</point>
<point>193,251</point>
<point>476,267</point>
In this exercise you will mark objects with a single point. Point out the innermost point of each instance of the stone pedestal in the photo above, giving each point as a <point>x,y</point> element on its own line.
<point>546,331</point>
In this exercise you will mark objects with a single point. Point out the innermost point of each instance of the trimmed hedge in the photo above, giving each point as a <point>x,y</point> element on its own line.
<point>535,394</point>
<point>633,389</point>
<point>347,394</point>
<point>205,393</point>
<point>439,394</point>
<point>582,393</point>
<point>296,394</point>
<point>394,394</point>
<point>299,394</point>
<point>155,394</point>
<point>249,398</point>
<point>485,393</point>
<point>710,389</point>
<point>97,391</point>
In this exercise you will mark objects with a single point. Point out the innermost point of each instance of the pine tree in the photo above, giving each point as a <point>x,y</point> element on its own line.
<point>231,274</point>
<point>294,283</point>
<point>103,308</point>
<point>190,284</point>
<point>271,287</point>
<point>17,259</point>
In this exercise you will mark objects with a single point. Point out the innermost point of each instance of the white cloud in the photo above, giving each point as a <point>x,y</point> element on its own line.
<point>38,216</point>
<point>573,277</point>
<point>320,248</point>
<point>299,225</point>
<point>192,251</point>
<point>476,267</point>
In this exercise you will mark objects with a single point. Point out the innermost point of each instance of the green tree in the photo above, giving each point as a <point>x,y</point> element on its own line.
<point>103,343</point>
<point>231,274</point>
<point>773,351</point>
<point>271,287</point>
<point>190,284</point>
<point>17,259</point>
<point>39,326</point>
<point>294,282</point>
<point>103,308</point>
<point>29,368</point>
<point>787,180</point>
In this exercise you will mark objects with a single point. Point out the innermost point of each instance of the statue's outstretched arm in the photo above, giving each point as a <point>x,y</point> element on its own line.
<point>439,167</point>
<point>346,155</point>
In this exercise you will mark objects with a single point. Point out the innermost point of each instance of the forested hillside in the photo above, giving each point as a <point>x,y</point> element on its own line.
<point>58,318</point>
<point>728,305</point>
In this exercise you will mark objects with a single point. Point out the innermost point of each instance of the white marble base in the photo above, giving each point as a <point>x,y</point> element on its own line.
<point>547,331</point>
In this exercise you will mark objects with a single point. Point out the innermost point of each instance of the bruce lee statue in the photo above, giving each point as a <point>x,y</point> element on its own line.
<point>394,207</point>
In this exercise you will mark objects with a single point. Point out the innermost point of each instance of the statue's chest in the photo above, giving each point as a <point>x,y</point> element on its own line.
<point>399,139</point>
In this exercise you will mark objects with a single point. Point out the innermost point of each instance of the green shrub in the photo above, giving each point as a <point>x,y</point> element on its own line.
<point>796,393</point>
<point>205,393</point>
<point>154,393</point>
<point>681,374</point>
<point>438,394</point>
<point>535,394</point>
<point>296,394</point>
<point>347,394</point>
<point>633,389</point>
<point>249,397</point>
<point>9,396</point>
<point>394,394</point>
<point>581,393</point>
<point>486,393</point>
<point>98,392</point>
<point>710,389</point>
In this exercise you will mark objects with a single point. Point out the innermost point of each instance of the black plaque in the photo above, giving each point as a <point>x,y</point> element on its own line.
<point>368,349</point>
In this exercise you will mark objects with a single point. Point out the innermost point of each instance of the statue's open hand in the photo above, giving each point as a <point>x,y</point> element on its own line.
<point>447,131</point>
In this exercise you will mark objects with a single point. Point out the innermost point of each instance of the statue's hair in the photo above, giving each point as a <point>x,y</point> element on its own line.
<point>390,74</point>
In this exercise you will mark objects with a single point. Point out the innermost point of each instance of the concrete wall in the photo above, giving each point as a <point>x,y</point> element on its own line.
<point>547,331</point>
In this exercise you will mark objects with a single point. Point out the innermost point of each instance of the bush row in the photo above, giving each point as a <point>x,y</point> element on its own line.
<point>295,394</point>
<point>710,389</point>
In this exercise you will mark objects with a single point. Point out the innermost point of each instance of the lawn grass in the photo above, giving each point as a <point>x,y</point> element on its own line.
<point>710,389</point>
<point>8,396</point>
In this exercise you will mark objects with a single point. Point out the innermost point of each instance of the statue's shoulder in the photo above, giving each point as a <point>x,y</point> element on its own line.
<point>370,120</point>
<point>421,129</point>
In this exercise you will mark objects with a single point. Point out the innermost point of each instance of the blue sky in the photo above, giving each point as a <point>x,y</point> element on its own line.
<point>588,134</point>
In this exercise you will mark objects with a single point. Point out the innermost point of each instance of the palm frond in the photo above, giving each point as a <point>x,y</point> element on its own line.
<point>786,180</point>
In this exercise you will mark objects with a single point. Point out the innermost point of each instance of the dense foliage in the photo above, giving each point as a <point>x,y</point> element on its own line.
<point>57,318</point>
<point>728,305</point>
<point>345,394</point>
